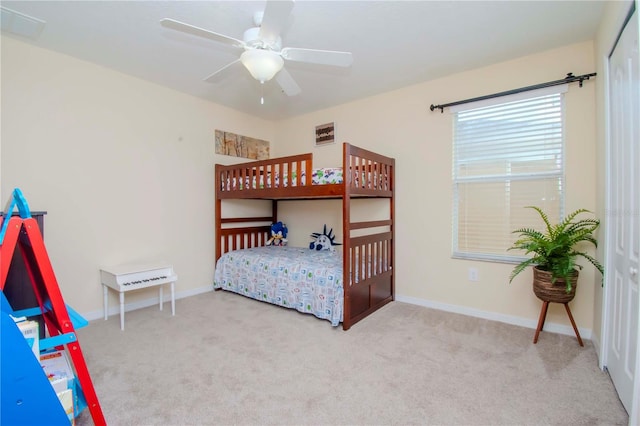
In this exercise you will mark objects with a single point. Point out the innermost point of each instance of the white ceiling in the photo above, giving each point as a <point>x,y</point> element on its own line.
<point>394,43</point>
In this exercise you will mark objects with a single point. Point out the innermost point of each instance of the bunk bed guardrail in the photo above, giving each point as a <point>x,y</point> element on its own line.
<point>364,174</point>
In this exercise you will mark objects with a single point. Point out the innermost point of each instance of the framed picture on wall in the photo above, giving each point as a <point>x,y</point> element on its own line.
<point>325,134</point>
<point>235,145</point>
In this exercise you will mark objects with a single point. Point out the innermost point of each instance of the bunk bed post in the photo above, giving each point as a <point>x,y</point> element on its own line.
<point>392,214</point>
<point>218,214</point>
<point>346,236</point>
<point>274,211</point>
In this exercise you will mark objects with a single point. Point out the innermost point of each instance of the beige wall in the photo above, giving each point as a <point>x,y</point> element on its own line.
<point>400,124</point>
<point>123,167</point>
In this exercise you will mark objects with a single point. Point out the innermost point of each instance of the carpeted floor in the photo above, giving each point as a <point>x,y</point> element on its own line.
<point>225,359</point>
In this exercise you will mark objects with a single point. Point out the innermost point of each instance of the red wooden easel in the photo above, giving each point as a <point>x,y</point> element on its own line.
<point>24,232</point>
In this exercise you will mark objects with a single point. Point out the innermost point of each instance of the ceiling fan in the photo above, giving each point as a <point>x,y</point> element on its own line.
<point>263,54</point>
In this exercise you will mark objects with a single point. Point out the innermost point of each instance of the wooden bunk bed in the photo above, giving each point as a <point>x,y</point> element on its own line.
<point>368,246</point>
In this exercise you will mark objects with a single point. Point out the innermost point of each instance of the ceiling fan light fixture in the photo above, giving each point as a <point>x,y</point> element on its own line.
<point>262,64</point>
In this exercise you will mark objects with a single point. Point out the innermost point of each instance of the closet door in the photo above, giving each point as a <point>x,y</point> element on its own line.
<point>623,217</point>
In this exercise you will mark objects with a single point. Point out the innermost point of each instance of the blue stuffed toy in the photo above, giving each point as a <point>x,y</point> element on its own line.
<point>278,235</point>
<point>324,240</point>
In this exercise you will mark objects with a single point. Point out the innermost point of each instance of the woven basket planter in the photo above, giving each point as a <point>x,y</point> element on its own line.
<point>556,292</point>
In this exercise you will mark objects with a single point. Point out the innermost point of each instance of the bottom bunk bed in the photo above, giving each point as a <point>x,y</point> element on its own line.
<point>342,286</point>
<point>309,281</point>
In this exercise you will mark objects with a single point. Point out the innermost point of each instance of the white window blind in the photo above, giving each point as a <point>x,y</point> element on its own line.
<point>508,154</point>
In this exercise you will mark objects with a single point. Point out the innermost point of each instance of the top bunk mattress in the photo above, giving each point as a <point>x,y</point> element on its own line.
<point>322,176</point>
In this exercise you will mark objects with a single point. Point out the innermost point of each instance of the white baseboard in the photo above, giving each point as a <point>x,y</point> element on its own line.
<point>598,346</point>
<point>508,319</point>
<point>115,310</point>
<point>585,333</point>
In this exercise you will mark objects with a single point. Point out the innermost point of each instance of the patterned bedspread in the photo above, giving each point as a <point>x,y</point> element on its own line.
<point>309,281</point>
<point>319,177</point>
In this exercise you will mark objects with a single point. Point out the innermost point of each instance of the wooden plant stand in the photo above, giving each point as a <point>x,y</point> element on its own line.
<point>543,316</point>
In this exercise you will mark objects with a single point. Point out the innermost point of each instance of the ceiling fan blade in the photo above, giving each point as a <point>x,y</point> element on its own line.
<point>287,83</point>
<point>324,57</point>
<point>274,19</point>
<point>222,72</point>
<point>200,32</point>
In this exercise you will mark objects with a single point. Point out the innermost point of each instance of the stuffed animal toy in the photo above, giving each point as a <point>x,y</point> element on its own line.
<point>278,235</point>
<point>324,240</point>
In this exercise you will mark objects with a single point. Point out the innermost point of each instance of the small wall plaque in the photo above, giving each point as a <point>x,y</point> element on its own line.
<point>325,134</point>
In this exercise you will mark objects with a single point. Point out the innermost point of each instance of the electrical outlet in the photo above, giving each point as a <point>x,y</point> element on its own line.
<point>473,274</point>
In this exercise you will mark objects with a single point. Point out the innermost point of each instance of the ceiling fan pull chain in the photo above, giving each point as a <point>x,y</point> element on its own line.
<point>262,93</point>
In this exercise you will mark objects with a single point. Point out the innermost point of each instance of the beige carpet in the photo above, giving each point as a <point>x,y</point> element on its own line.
<point>225,359</point>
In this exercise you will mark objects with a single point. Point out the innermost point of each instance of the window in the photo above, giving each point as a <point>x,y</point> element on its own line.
<point>508,153</point>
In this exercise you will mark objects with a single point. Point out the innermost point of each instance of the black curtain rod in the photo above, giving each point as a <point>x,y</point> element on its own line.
<point>570,78</point>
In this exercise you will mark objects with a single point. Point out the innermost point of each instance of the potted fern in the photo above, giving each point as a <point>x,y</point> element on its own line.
<point>555,271</point>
